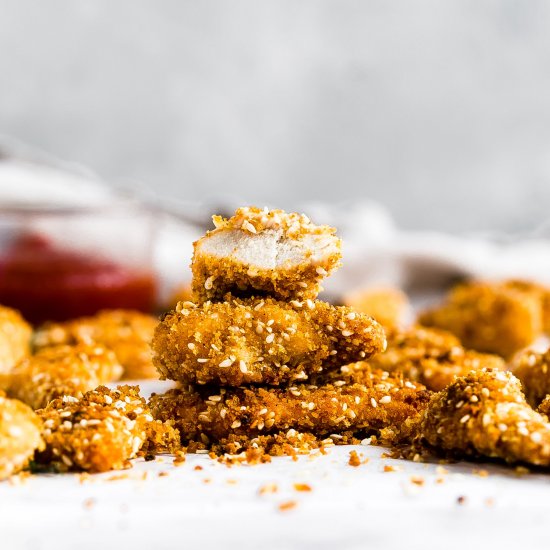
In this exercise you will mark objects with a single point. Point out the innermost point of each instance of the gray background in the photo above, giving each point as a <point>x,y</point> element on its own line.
<point>440,110</point>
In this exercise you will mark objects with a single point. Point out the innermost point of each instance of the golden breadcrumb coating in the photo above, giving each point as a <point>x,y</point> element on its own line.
<point>101,431</point>
<point>430,356</point>
<point>389,306</point>
<point>485,414</point>
<point>61,370</point>
<point>15,338</point>
<point>262,252</point>
<point>540,292</point>
<point>489,317</point>
<point>533,370</point>
<point>128,333</point>
<point>544,407</point>
<point>20,435</point>
<point>355,398</point>
<point>261,341</point>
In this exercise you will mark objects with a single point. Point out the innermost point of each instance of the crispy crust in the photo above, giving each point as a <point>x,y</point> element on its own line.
<point>61,370</point>
<point>533,370</point>
<point>389,306</point>
<point>101,431</point>
<point>20,435</point>
<point>430,356</point>
<point>127,333</point>
<point>15,337</point>
<point>485,414</point>
<point>214,276</point>
<point>261,341</point>
<point>496,318</point>
<point>353,399</point>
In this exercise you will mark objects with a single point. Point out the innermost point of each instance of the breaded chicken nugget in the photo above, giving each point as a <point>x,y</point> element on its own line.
<point>485,414</point>
<point>352,399</point>
<point>101,431</point>
<point>127,333</point>
<point>20,435</point>
<point>260,252</point>
<point>389,306</point>
<point>15,338</point>
<point>489,317</point>
<point>261,341</point>
<point>430,356</point>
<point>61,370</point>
<point>533,370</point>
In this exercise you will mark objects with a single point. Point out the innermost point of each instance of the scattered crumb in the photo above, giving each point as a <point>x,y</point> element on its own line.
<point>302,487</point>
<point>268,489</point>
<point>206,480</point>
<point>118,477</point>
<point>231,482</point>
<point>163,474</point>
<point>198,467</point>
<point>83,477</point>
<point>440,470</point>
<point>390,468</point>
<point>480,472</point>
<point>440,480</point>
<point>490,502</point>
<point>354,459</point>
<point>288,505</point>
<point>89,503</point>
<point>418,480</point>
<point>461,500</point>
<point>179,458</point>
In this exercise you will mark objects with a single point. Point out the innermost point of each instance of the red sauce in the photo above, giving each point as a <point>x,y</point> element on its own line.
<point>47,283</point>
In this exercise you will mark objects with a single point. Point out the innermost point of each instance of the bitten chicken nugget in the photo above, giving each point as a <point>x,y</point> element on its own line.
<point>15,338</point>
<point>261,252</point>
<point>352,399</point>
<point>101,431</point>
<point>261,341</point>
<point>389,306</point>
<point>485,414</point>
<point>430,356</point>
<point>61,370</point>
<point>533,370</point>
<point>489,317</point>
<point>20,435</point>
<point>127,333</point>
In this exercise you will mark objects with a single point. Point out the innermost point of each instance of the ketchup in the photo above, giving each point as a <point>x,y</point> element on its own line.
<point>47,283</point>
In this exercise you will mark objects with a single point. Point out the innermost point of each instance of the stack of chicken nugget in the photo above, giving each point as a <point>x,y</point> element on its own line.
<point>256,353</point>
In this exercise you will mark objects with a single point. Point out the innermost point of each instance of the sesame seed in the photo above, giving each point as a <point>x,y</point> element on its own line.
<point>202,360</point>
<point>465,419</point>
<point>347,333</point>
<point>236,424</point>
<point>247,226</point>
<point>270,338</point>
<point>373,402</point>
<point>226,363</point>
<point>209,283</point>
<point>385,399</point>
<point>321,271</point>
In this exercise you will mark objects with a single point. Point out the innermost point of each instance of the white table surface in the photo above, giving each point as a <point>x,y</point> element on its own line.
<point>219,506</point>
